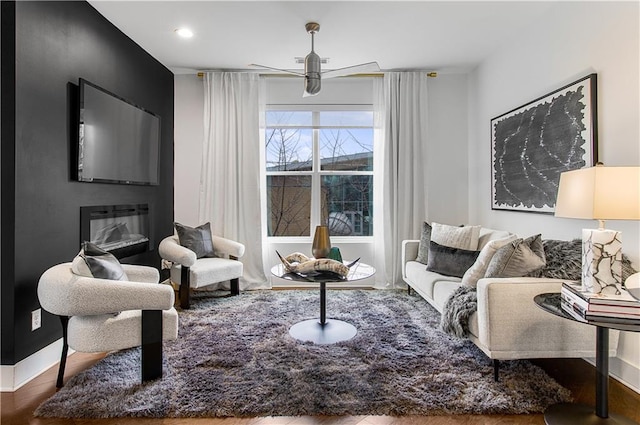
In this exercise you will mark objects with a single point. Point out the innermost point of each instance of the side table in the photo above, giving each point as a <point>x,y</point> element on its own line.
<point>571,413</point>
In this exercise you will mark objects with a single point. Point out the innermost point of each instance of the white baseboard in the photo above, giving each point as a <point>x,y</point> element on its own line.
<point>14,376</point>
<point>623,372</point>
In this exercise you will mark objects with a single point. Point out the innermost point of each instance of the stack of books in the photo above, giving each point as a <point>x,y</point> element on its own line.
<point>621,308</point>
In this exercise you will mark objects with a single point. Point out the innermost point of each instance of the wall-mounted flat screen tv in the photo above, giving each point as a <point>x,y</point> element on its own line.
<point>118,141</point>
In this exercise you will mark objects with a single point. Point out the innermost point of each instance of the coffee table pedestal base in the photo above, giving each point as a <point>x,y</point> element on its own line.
<point>574,414</point>
<point>330,332</point>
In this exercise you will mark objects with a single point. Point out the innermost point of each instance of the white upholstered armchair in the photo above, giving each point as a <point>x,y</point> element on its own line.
<point>100,315</point>
<point>189,271</point>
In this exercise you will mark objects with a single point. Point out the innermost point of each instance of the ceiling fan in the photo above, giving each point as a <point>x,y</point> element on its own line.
<point>312,67</point>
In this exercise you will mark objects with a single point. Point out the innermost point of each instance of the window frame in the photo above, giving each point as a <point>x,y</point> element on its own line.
<point>316,172</point>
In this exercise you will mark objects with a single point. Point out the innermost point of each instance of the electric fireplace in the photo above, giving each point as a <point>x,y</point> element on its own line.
<point>122,230</point>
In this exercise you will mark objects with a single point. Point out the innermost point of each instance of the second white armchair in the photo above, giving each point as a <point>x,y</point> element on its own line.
<point>189,271</point>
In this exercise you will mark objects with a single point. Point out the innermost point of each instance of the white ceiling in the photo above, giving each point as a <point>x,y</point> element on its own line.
<point>443,36</point>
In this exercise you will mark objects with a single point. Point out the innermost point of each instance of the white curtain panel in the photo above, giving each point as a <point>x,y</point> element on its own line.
<point>401,135</point>
<point>230,177</point>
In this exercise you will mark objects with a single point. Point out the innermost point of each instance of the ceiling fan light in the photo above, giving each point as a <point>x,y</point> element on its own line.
<point>311,86</point>
<point>312,63</point>
<point>312,74</point>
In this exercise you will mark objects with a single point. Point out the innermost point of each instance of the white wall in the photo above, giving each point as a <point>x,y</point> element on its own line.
<point>189,133</point>
<point>447,157</point>
<point>571,41</point>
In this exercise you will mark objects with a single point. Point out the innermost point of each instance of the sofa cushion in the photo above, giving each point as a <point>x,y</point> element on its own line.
<point>479,268</point>
<point>208,270</point>
<point>423,246</point>
<point>442,290</point>
<point>450,261</point>
<point>423,280</point>
<point>517,258</point>
<point>463,237</point>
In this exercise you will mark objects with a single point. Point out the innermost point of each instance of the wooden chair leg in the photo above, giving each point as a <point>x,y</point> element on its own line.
<point>235,286</point>
<point>151,344</point>
<point>496,369</point>
<point>184,291</point>
<point>64,320</point>
<point>234,283</point>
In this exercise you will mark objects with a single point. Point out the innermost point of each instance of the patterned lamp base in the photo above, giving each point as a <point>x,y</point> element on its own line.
<point>601,261</point>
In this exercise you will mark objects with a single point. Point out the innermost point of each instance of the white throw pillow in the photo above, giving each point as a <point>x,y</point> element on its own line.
<point>462,237</point>
<point>479,268</point>
<point>488,235</point>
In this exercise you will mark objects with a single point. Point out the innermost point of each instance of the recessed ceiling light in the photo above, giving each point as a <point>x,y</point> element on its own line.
<point>184,32</point>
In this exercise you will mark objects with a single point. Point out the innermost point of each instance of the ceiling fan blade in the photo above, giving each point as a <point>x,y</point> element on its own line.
<point>299,74</point>
<point>350,70</point>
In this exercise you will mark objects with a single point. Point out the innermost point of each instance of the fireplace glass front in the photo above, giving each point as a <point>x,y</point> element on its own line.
<point>122,230</point>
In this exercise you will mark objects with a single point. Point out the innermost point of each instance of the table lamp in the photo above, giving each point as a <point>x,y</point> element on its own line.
<point>600,193</point>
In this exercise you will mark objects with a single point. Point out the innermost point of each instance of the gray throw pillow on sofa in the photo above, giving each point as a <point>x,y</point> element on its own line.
<point>423,246</point>
<point>450,261</point>
<point>479,268</point>
<point>197,239</point>
<point>517,258</point>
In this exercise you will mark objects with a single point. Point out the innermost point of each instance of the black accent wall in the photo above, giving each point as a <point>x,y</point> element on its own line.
<point>46,47</point>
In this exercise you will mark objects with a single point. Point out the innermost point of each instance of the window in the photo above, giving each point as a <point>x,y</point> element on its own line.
<point>319,169</point>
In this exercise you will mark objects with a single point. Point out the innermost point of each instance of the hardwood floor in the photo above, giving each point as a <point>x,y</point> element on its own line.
<point>575,374</point>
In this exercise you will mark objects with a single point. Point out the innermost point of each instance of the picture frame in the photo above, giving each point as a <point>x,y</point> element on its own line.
<point>532,144</point>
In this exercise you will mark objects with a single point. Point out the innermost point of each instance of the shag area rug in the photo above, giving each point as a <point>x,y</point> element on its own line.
<point>234,357</point>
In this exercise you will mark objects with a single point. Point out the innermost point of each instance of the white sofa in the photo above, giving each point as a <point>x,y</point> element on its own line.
<point>507,325</point>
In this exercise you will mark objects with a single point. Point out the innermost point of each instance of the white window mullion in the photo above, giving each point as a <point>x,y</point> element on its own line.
<point>315,181</point>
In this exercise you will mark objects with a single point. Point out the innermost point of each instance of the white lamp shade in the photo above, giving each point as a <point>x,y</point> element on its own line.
<point>600,193</point>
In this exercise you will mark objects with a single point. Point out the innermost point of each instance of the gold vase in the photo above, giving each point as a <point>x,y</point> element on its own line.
<point>321,243</point>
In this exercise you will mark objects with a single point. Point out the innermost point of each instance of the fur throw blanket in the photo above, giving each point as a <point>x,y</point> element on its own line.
<point>563,261</point>
<point>457,310</point>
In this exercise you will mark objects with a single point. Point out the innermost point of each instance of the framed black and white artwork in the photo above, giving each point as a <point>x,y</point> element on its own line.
<point>531,145</point>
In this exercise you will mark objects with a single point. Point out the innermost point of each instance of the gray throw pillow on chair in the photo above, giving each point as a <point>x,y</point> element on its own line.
<point>197,239</point>
<point>93,261</point>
